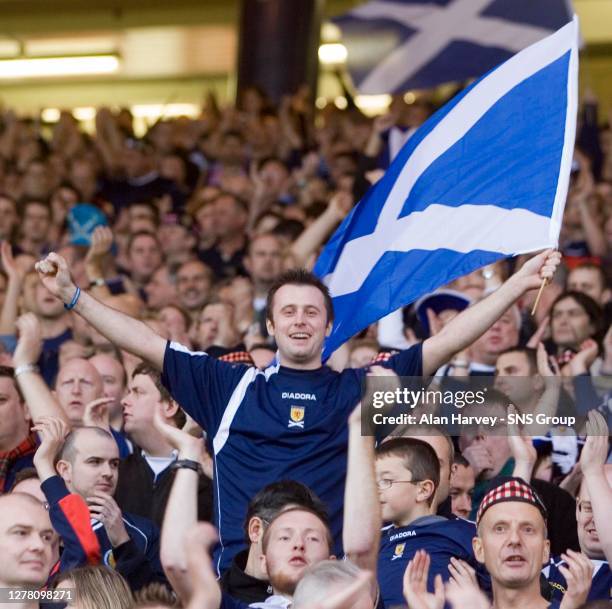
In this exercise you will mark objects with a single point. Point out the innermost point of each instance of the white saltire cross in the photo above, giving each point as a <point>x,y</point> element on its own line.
<point>437,27</point>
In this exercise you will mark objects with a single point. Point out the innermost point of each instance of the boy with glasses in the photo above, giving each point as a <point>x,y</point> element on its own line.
<point>407,475</point>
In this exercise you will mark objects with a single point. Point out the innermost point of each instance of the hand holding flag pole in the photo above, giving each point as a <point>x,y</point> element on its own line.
<point>540,292</point>
<point>546,274</point>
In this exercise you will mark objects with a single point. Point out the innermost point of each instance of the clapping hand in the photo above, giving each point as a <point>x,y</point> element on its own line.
<point>578,571</point>
<point>595,450</point>
<point>415,584</point>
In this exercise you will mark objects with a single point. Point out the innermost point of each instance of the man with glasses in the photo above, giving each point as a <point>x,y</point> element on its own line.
<point>407,475</point>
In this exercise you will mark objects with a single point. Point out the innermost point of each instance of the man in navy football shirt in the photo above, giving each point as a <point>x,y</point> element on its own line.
<point>288,421</point>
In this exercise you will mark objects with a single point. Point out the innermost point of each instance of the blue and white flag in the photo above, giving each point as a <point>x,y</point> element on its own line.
<point>396,45</point>
<point>486,177</point>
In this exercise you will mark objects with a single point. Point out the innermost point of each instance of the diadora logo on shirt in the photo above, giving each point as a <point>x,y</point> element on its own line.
<point>296,417</point>
<point>298,396</point>
<point>399,551</point>
<point>402,535</point>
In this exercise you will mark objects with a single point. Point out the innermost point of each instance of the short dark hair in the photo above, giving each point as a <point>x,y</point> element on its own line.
<point>155,375</point>
<point>9,372</point>
<point>590,266</point>
<point>289,228</point>
<point>591,308</point>
<point>300,277</point>
<point>528,352</point>
<point>141,233</point>
<point>183,313</point>
<point>151,207</point>
<point>418,457</point>
<point>68,450</point>
<point>266,536</point>
<point>459,459</point>
<point>273,498</point>
<point>27,201</point>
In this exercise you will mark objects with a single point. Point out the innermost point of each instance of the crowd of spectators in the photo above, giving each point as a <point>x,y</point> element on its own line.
<point>160,365</point>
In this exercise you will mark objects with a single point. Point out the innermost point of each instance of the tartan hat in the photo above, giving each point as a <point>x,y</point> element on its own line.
<point>510,489</point>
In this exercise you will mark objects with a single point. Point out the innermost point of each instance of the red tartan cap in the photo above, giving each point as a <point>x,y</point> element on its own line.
<point>510,489</point>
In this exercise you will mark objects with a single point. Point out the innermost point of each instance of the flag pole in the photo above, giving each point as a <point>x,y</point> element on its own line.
<point>540,292</point>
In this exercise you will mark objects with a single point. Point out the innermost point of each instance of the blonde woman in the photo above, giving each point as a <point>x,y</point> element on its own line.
<point>95,587</point>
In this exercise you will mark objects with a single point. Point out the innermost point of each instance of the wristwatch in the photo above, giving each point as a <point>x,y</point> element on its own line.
<point>187,464</point>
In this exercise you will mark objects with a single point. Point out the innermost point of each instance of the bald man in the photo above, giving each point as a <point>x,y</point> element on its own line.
<point>86,473</point>
<point>78,383</point>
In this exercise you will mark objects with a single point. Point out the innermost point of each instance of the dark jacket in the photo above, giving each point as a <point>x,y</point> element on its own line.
<point>241,586</point>
<point>140,492</point>
<point>86,542</point>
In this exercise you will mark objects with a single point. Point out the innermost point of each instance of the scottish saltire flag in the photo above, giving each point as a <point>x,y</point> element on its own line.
<point>396,45</point>
<point>484,178</point>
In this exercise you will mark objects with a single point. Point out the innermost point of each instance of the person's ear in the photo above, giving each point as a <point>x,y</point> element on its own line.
<point>478,549</point>
<point>169,409</point>
<point>546,557</point>
<point>64,469</point>
<point>329,327</point>
<point>425,491</point>
<point>270,327</point>
<point>255,529</point>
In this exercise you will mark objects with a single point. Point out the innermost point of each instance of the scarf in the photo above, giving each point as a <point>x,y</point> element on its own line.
<point>25,448</point>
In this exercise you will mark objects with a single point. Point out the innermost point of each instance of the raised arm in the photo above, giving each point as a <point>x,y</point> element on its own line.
<point>101,242</point>
<point>548,403</point>
<point>122,330</point>
<point>38,397</point>
<point>592,463</point>
<point>16,276</point>
<point>314,235</point>
<point>469,325</point>
<point>362,517</point>
<point>199,543</point>
<point>181,510</point>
